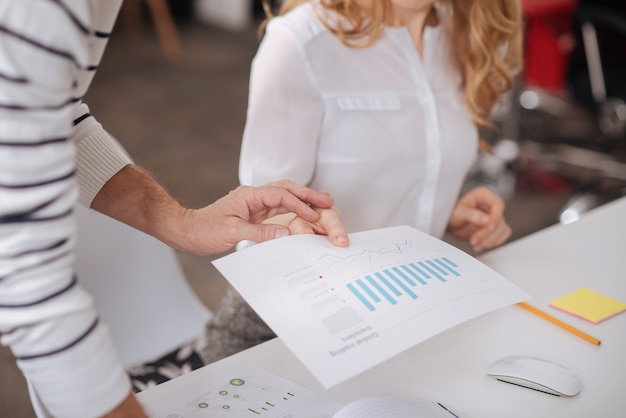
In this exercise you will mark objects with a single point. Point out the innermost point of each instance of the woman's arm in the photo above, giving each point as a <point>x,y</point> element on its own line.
<point>285,112</point>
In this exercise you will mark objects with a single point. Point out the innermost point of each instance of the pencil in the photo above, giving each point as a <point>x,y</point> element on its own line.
<point>559,323</point>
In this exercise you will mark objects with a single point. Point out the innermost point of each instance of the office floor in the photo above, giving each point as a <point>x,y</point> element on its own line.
<point>183,123</point>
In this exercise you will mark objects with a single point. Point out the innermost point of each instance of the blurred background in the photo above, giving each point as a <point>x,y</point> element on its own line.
<point>173,87</point>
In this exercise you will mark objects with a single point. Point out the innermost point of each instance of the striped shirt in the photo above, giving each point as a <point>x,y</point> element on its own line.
<point>49,51</point>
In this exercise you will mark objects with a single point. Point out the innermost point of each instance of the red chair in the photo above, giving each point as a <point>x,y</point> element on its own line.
<point>549,39</point>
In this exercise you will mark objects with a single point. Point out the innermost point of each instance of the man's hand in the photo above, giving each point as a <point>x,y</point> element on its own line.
<point>134,197</point>
<point>240,214</point>
<point>478,216</point>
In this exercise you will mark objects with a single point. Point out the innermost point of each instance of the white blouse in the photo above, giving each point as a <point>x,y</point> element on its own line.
<point>382,129</point>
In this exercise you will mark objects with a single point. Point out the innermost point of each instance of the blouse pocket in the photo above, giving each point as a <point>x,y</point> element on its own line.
<point>369,103</point>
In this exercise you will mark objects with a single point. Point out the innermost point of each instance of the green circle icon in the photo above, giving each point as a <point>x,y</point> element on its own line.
<point>223,392</point>
<point>237,382</point>
<point>203,405</point>
<point>225,406</point>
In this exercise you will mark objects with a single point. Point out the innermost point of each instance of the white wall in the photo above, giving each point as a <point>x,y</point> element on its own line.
<point>231,14</point>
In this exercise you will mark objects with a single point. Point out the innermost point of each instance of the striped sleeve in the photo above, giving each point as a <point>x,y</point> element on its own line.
<point>49,50</point>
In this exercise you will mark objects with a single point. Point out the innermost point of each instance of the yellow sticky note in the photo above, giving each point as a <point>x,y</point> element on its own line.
<point>588,304</point>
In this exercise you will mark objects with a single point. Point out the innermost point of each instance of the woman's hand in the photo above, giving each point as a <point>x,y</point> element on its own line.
<point>478,217</point>
<point>329,224</point>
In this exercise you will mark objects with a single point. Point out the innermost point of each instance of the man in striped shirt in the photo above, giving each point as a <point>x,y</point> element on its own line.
<point>49,51</point>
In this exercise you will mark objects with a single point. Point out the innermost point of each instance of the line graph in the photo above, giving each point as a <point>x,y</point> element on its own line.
<point>365,254</point>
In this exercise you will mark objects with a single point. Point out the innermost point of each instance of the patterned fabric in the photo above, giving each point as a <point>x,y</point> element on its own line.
<point>233,328</point>
<point>174,364</point>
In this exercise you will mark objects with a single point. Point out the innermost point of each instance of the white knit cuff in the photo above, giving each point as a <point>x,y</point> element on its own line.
<point>98,158</point>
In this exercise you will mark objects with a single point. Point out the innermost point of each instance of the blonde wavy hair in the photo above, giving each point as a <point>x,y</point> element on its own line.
<point>486,36</point>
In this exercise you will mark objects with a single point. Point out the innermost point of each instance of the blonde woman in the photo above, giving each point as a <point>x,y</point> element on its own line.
<point>378,102</point>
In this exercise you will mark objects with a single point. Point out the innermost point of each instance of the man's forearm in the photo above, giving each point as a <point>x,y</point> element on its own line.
<point>134,197</point>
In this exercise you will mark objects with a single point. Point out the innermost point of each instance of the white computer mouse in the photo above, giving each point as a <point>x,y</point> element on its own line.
<point>538,374</point>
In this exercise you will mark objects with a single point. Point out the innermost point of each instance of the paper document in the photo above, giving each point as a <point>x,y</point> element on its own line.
<point>343,310</point>
<point>233,389</point>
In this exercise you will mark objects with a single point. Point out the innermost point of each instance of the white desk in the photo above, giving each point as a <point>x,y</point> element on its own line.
<point>451,366</point>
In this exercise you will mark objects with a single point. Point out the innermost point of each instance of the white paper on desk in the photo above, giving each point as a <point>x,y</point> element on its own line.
<point>231,388</point>
<point>335,308</point>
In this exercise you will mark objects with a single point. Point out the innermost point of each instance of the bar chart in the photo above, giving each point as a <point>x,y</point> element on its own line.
<point>394,284</point>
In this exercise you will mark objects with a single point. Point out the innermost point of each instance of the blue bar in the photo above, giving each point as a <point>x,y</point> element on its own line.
<point>431,271</point>
<point>360,297</point>
<point>420,271</point>
<point>399,283</point>
<point>404,276</point>
<point>436,267</point>
<point>447,267</point>
<point>447,260</point>
<point>381,290</point>
<point>412,273</point>
<point>389,285</point>
<point>367,290</point>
